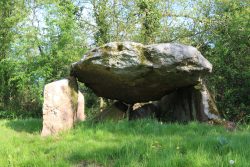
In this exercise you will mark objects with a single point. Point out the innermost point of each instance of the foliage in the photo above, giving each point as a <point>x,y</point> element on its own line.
<point>150,15</point>
<point>9,19</point>
<point>100,9</point>
<point>231,58</point>
<point>123,144</point>
<point>39,54</point>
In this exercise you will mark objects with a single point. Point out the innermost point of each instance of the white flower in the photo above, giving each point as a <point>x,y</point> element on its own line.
<point>231,162</point>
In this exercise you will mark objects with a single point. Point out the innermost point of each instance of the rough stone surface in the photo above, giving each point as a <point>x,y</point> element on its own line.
<point>60,106</point>
<point>132,72</point>
<point>143,111</point>
<point>183,105</point>
<point>187,104</point>
<point>115,112</point>
<point>80,116</point>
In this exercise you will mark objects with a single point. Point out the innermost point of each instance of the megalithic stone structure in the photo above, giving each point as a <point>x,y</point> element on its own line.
<point>80,115</point>
<point>60,106</point>
<point>168,73</point>
<point>188,104</point>
<point>135,73</point>
<point>132,72</point>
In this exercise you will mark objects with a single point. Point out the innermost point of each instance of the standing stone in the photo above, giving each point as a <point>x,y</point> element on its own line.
<point>115,112</point>
<point>188,104</point>
<point>60,106</point>
<point>80,116</point>
<point>143,111</point>
<point>208,105</point>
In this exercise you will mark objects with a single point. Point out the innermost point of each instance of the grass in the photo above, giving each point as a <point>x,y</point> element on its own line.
<point>136,143</point>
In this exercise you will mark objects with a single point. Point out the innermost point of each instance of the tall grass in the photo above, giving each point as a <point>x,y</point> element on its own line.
<point>136,143</point>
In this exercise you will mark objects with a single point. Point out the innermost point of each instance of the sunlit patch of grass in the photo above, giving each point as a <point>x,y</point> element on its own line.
<point>135,143</point>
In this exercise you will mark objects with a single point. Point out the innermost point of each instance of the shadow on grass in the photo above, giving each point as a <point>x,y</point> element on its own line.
<point>25,125</point>
<point>151,127</point>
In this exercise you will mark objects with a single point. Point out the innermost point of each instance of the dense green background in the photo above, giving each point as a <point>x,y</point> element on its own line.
<point>39,40</point>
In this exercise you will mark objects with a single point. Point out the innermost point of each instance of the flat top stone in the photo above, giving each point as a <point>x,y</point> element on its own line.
<point>133,72</point>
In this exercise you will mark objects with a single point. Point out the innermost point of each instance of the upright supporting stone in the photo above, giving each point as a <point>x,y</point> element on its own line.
<point>80,116</point>
<point>208,104</point>
<point>60,106</point>
<point>187,104</point>
<point>115,112</point>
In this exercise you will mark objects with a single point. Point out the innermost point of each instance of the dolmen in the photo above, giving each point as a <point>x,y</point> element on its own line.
<point>165,79</point>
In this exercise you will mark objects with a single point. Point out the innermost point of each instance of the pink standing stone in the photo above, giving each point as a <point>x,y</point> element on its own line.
<point>60,106</point>
<point>80,109</point>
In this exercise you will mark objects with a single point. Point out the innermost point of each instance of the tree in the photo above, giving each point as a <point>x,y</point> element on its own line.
<point>9,20</point>
<point>229,37</point>
<point>100,9</point>
<point>40,51</point>
<point>150,16</point>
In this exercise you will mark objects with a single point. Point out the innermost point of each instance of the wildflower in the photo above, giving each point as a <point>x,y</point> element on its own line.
<point>231,162</point>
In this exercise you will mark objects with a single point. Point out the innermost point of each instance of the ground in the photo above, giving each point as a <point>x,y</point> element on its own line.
<point>136,143</point>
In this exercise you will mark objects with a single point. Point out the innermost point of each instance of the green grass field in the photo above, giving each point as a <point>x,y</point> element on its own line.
<point>138,143</point>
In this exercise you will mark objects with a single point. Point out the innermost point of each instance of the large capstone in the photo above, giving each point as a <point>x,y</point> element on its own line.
<point>132,72</point>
